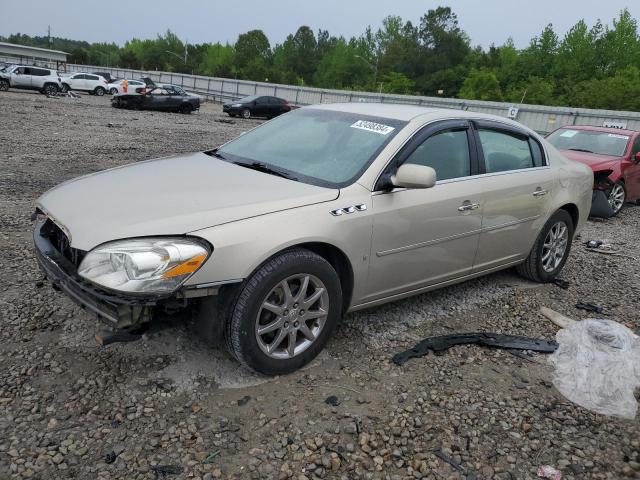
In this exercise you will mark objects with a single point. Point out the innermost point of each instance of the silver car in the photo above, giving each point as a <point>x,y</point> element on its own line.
<point>275,235</point>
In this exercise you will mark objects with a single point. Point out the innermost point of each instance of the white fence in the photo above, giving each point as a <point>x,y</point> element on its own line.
<point>538,117</point>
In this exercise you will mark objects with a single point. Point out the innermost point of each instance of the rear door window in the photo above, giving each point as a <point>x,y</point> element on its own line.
<point>505,151</point>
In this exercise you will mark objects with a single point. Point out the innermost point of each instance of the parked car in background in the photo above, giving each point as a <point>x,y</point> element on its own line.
<point>106,75</point>
<point>257,106</point>
<point>159,98</point>
<point>115,88</point>
<point>613,155</point>
<point>86,82</point>
<point>28,77</point>
<point>327,209</point>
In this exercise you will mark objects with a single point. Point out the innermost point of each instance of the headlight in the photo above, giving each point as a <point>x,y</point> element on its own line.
<point>145,265</point>
<point>236,105</point>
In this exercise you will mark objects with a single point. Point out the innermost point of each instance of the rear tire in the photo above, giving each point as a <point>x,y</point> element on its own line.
<point>296,321</point>
<point>4,86</point>
<point>551,249</point>
<point>65,88</point>
<point>99,91</point>
<point>246,113</point>
<point>113,91</point>
<point>50,89</point>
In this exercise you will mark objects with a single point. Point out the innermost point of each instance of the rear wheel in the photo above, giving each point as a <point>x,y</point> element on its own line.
<point>551,249</point>
<point>113,91</point>
<point>285,313</point>
<point>617,197</point>
<point>50,89</point>
<point>99,91</point>
<point>246,113</point>
<point>4,86</point>
<point>65,88</point>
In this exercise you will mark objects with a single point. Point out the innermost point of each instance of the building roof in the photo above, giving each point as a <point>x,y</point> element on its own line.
<point>12,49</point>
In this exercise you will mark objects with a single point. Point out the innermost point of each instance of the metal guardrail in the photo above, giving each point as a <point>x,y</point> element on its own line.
<point>541,118</point>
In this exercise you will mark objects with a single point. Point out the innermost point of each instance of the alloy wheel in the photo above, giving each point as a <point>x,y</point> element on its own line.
<point>617,197</point>
<point>554,247</point>
<point>292,316</point>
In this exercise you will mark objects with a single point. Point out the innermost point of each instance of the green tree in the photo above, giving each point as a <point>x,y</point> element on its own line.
<point>481,84</point>
<point>395,82</point>
<point>253,55</point>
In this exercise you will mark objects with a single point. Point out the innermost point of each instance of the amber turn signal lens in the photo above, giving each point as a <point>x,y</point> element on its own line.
<point>185,268</point>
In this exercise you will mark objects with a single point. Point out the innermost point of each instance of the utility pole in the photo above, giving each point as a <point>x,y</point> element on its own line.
<point>49,35</point>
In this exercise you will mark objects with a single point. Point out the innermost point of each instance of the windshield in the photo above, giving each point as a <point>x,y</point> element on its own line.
<point>247,99</point>
<point>321,147</point>
<point>601,143</point>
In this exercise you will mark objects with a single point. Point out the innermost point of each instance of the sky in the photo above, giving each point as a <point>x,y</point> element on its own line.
<point>201,21</point>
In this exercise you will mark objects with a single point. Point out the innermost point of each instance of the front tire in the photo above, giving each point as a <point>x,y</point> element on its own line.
<point>4,86</point>
<point>99,91</point>
<point>551,249</point>
<point>113,91</point>
<point>617,198</point>
<point>285,313</point>
<point>65,88</point>
<point>185,108</point>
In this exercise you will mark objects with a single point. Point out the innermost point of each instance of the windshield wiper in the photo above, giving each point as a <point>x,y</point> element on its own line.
<point>261,167</point>
<point>580,150</point>
<point>215,153</point>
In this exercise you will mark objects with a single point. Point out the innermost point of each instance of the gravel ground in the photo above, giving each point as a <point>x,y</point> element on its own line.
<point>69,409</point>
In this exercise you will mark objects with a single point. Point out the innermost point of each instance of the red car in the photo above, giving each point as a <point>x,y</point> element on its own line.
<point>613,154</point>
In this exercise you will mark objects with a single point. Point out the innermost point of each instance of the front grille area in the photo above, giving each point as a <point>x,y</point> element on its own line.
<point>60,241</point>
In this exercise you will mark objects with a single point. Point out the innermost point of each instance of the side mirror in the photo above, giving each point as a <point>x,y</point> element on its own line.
<point>414,176</point>
<point>636,158</point>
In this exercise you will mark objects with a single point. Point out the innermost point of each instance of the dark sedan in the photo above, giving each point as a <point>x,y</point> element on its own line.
<point>166,98</point>
<point>257,106</point>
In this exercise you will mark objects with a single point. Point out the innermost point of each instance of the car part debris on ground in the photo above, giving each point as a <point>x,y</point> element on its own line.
<point>161,471</point>
<point>332,400</point>
<point>547,471</point>
<point>590,307</point>
<point>557,318</point>
<point>487,339</point>
<point>597,366</point>
<point>563,284</point>
<point>606,248</point>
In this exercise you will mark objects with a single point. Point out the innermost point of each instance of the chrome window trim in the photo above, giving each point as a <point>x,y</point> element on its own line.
<point>464,179</point>
<point>469,119</point>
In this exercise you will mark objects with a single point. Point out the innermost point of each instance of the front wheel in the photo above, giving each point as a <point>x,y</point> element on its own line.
<point>113,91</point>
<point>99,91</point>
<point>65,88</point>
<point>551,249</point>
<point>4,86</point>
<point>246,113</point>
<point>617,197</point>
<point>285,313</point>
<point>185,108</point>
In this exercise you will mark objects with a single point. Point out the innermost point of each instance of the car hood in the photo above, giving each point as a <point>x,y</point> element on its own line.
<point>596,162</point>
<point>170,196</point>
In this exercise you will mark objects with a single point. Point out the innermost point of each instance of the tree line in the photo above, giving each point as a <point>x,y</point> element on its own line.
<point>594,66</point>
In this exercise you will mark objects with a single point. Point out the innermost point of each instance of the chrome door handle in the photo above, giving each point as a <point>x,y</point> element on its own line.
<point>540,193</point>
<point>468,206</point>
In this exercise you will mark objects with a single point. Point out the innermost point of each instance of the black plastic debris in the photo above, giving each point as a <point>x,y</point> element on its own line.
<point>447,459</point>
<point>563,284</point>
<point>444,342</point>
<point>332,400</point>
<point>594,243</point>
<point>244,400</point>
<point>161,471</point>
<point>110,457</point>
<point>600,206</point>
<point>590,307</point>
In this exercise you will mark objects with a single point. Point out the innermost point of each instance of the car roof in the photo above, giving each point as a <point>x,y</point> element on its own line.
<point>408,113</point>
<point>593,128</point>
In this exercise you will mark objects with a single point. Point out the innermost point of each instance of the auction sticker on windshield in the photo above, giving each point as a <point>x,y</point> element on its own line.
<point>615,135</point>
<point>373,127</point>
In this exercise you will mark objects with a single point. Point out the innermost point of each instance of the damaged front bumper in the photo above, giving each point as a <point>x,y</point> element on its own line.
<point>117,310</point>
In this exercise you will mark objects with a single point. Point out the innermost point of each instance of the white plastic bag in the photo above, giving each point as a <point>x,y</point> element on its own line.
<point>597,366</point>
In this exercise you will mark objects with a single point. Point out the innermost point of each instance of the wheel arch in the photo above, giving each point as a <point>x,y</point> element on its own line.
<point>573,211</point>
<point>336,258</point>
